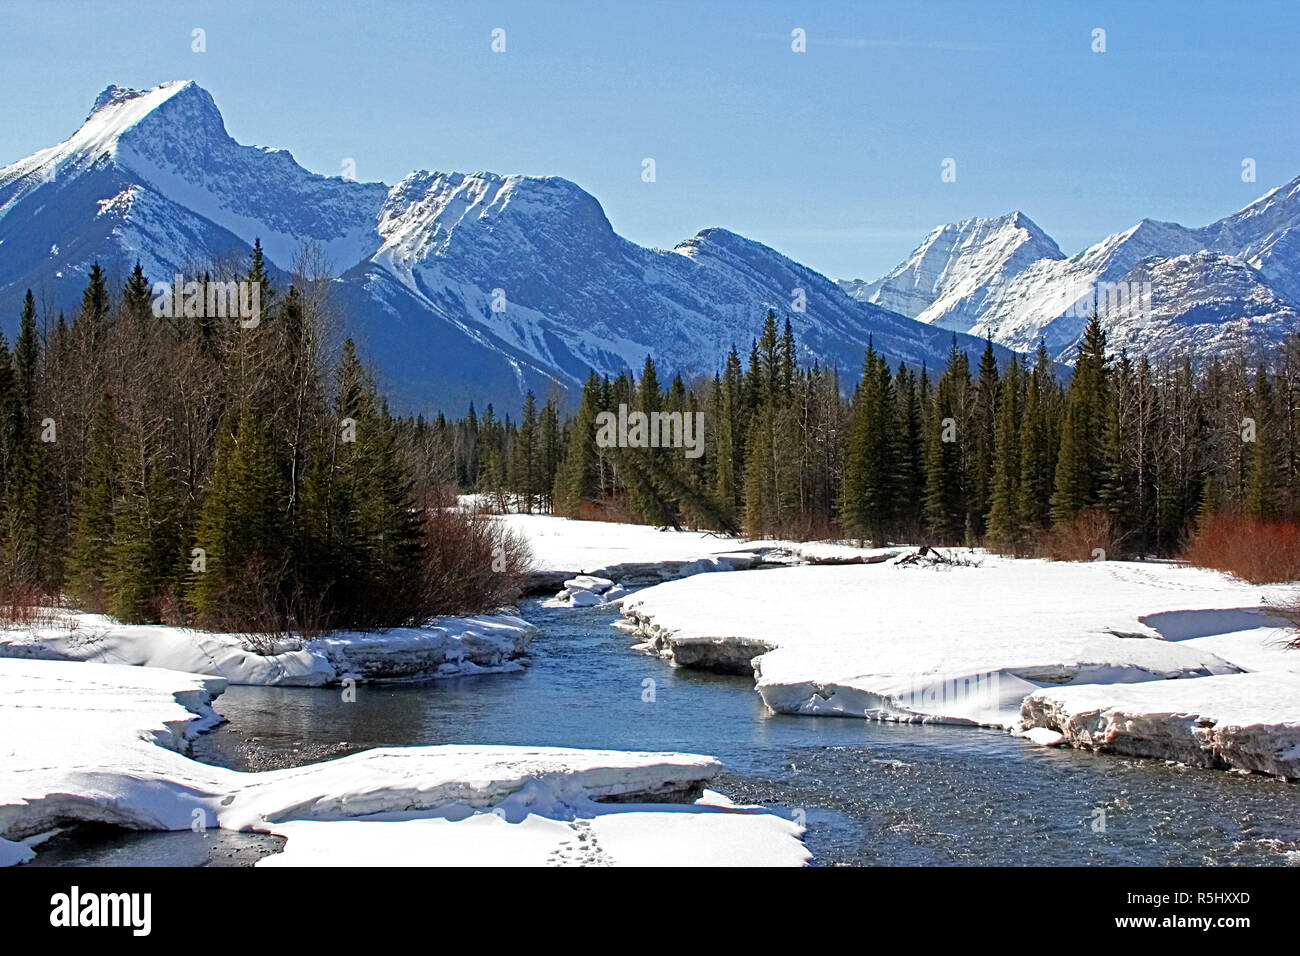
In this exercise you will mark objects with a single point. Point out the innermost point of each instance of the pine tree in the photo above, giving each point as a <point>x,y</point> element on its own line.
<point>525,462</point>
<point>552,452</point>
<point>1005,528</point>
<point>89,553</point>
<point>578,479</point>
<point>241,525</point>
<point>985,421</point>
<point>910,497</point>
<point>729,452</point>
<point>870,465</point>
<point>27,533</point>
<point>137,297</point>
<point>1119,491</point>
<point>1080,467</point>
<point>1039,442</point>
<point>147,538</point>
<point>1264,483</point>
<point>94,307</point>
<point>947,500</point>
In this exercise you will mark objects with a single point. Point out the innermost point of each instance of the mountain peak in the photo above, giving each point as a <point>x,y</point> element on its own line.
<point>952,272</point>
<point>119,111</point>
<point>114,95</point>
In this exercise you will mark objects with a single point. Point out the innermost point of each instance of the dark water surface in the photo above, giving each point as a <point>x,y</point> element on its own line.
<point>870,793</point>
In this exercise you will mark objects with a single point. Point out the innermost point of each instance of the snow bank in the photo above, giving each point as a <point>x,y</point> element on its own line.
<point>104,743</point>
<point>567,546</point>
<point>971,644</point>
<point>590,834</point>
<point>447,646</point>
<point>582,559</point>
<point>1248,721</point>
<point>1244,722</point>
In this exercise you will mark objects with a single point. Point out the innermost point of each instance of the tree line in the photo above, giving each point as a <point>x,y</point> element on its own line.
<point>1127,455</point>
<point>199,470</point>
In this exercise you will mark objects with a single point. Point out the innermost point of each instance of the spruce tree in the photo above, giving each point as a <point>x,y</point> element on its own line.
<point>89,552</point>
<point>241,529</point>
<point>1039,444</point>
<point>1080,468</point>
<point>947,499</point>
<point>578,479</point>
<point>867,507</point>
<point>1265,481</point>
<point>984,437</point>
<point>1005,528</point>
<point>910,497</point>
<point>525,462</point>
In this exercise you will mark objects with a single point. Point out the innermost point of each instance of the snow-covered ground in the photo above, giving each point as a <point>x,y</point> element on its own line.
<point>608,558</point>
<point>572,546</point>
<point>448,646</point>
<point>1090,645</point>
<point>103,743</point>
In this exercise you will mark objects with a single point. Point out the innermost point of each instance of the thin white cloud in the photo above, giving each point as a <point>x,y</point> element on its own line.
<point>887,43</point>
<point>872,43</point>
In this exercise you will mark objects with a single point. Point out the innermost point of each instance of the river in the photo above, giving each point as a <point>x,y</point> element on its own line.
<point>870,793</point>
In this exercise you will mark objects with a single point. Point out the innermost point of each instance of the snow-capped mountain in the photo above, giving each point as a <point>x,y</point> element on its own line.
<point>1267,235</point>
<point>1241,293</point>
<point>1198,305</point>
<point>947,279</point>
<point>458,286</point>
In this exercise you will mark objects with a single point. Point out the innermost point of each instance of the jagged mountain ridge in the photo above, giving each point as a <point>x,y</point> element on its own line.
<point>153,175</point>
<point>1233,284</point>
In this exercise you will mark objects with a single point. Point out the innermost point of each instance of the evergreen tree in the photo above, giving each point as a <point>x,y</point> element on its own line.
<point>1266,468</point>
<point>870,466</point>
<point>910,497</point>
<point>1080,467</point>
<point>1039,443</point>
<point>578,478</point>
<point>241,525</point>
<point>1005,526</point>
<point>144,568</point>
<point>89,554</point>
<point>525,462</point>
<point>947,500</point>
<point>984,438</point>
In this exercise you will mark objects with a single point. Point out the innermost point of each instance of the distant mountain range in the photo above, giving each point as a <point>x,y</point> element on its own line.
<point>1232,284</point>
<point>153,176</point>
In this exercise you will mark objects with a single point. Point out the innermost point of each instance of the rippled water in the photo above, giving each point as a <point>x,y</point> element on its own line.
<point>870,793</point>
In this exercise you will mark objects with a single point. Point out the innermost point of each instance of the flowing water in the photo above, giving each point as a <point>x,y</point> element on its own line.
<point>870,793</point>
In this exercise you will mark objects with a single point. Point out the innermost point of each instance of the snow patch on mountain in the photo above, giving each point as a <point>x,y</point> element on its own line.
<point>1234,283</point>
<point>947,280</point>
<point>1201,304</point>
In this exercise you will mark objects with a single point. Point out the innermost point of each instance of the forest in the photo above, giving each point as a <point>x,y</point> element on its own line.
<point>250,477</point>
<point>1124,456</point>
<point>230,475</point>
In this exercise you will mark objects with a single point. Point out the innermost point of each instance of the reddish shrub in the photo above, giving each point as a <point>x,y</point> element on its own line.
<point>1261,552</point>
<point>469,562</point>
<point>1081,538</point>
<point>23,604</point>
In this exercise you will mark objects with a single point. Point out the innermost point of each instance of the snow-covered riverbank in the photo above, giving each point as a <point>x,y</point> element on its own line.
<point>1074,653</point>
<point>446,647</point>
<point>632,556</point>
<point>104,743</point>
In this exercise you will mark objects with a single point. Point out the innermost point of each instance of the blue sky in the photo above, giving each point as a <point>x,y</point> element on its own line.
<point>832,156</point>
